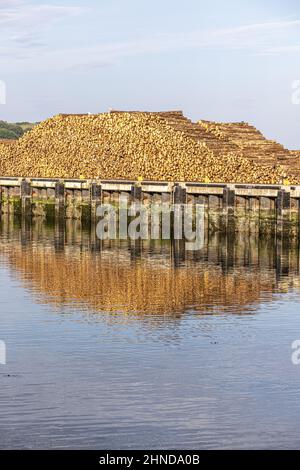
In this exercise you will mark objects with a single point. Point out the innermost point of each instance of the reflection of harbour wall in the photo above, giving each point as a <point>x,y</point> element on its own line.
<point>228,206</point>
<point>143,278</point>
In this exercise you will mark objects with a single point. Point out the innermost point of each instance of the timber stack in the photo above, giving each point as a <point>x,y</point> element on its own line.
<point>153,146</point>
<point>250,142</point>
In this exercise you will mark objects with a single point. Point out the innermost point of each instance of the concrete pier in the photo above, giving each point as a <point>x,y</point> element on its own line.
<point>238,207</point>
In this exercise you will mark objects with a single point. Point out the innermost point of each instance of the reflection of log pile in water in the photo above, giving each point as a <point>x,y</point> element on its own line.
<point>110,281</point>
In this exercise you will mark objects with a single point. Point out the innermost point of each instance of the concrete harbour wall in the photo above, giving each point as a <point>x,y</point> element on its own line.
<point>237,207</point>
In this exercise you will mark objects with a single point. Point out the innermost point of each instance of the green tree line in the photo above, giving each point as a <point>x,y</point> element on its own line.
<point>14,130</point>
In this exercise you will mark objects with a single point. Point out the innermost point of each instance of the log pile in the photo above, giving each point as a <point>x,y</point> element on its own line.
<point>5,153</point>
<point>249,141</point>
<point>6,142</point>
<point>155,146</point>
<point>292,165</point>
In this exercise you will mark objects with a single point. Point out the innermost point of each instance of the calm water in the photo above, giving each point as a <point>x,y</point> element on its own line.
<point>116,345</point>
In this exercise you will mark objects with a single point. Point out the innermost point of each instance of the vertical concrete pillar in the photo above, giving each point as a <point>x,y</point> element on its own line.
<point>60,200</point>
<point>229,209</point>
<point>179,195</point>
<point>26,198</point>
<point>179,198</point>
<point>283,212</point>
<point>253,214</point>
<point>136,193</point>
<point>26,194</point>
<point>283,204</point>
<point>229,200</point>
<point>95,198</point>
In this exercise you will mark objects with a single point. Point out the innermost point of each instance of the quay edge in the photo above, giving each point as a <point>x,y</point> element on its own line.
<point>253,207</point>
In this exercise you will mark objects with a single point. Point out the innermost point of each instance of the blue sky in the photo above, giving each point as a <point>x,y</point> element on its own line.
<point>227,61</point>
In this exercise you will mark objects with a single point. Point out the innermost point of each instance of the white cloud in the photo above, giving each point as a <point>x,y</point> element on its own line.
<point>281,49</point>
<point>254,38</point>
<point>257,36</point>
<point>20,19</point>
<point>5,4</point>
<point>24,43</point>
<point>16,13</point>
<point>22,24</point>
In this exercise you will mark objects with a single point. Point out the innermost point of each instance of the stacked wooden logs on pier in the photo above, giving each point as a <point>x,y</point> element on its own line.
<point>129,145</point>
<point>5,155</point>
<point>7,142</point>
<point>292,164</point>
<point>4,144</point>
<point>249,142</point>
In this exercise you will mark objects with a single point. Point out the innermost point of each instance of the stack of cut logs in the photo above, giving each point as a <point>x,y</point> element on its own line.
<point>250,142</point>
<point>246,139</point>
<point>292,165</point>
<point>6,142</point>
<point>154,146</point>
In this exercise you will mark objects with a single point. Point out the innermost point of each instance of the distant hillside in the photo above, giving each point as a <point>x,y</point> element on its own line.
<point>14,131</point>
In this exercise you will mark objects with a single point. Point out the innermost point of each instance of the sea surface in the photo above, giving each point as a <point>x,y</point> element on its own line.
<point>136,345</point>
